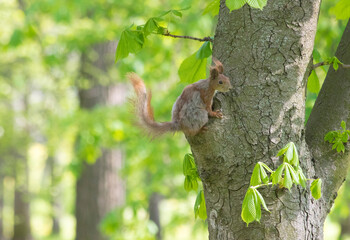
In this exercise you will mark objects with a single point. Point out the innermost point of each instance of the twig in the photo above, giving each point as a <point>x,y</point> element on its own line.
<point>329,63</point>
<point>205,39</point>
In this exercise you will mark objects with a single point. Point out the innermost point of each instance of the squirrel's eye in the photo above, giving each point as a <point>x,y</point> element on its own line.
<point>220,82</point>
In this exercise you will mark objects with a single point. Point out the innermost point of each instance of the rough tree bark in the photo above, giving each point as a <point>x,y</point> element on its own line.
<point>99,188</point>
<point>267,55</point>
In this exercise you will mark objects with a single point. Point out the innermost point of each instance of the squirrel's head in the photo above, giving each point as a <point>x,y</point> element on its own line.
<point>217,79</point>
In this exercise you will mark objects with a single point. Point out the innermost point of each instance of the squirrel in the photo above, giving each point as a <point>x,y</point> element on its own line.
<point>192,109</point>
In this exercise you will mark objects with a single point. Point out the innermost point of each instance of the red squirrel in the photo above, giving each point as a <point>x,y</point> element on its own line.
<point>190,111</point>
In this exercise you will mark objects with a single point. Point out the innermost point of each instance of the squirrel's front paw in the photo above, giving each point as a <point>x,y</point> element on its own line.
<point>218,114</point>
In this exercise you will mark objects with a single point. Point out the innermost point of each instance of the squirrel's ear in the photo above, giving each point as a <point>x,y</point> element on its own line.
<point>218,65</point>
<point>214,73</point>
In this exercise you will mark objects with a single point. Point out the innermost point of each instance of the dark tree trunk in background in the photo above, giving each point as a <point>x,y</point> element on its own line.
<point>1,205</point>
<point>154,215</point>
<point>21,202</point>
<point>55,205</point>
<point>99,188</point>
<point>267,55</point>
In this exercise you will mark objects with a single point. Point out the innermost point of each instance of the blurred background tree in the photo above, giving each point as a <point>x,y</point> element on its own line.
<point>72,164</point>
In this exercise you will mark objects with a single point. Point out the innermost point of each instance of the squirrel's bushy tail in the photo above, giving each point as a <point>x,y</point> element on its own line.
<point>144,110</point>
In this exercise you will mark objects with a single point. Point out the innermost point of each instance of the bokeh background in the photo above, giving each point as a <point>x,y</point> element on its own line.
<point>70,157</point>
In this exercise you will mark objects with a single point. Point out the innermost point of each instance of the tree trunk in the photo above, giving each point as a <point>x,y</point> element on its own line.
<point>21,202</point>
<point>1,204</point>
<point>99,188</point>
<point>331,107</point>
<point>267,55</point>
<point>153,205</point>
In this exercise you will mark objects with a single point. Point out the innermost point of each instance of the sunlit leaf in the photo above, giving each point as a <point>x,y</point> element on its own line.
<point>257,3</point>
<point>261,200</point>
<point>316,188</point>
<point>277,175</point>
<point>213,8</point>
<point>313,83</point>
<point>204,51</point>
<point>255,178</point>
<point>150,26</point>
<point>192,69</point>
<point>248,213</point>
<point>287,183</point>
<point>235,4</point>
<point>131,41</point>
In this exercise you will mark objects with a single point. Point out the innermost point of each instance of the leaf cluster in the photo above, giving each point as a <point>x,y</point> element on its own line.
<point>314,84</point>
<point>190,173</point>
<point>338,138</point>
<point>287,174</point>
<point>132,39</point>
<point>200,209</point>
<point>191,183</point>
<point>214,6</point>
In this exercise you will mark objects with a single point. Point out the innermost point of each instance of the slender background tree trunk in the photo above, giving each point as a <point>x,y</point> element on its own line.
<point>99,188</point>
<point>21,229</point>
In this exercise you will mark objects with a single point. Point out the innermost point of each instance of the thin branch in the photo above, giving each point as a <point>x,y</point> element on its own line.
<point>205,39</point>
<point>329,63</point>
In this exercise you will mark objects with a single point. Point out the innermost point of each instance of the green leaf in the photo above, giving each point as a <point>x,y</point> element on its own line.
<point>277,175</point>
<point>289,152</point>
<point>316,55</point>
<point>257,3</point>
<point>329,136</point>
<point>188,164</point>
<point>261,200</point>
<point>344,137</point>
<point>151,26</point>
<point>302,178</point>
<point>295,159</point>
<point>204,51</point>
<point>343,125</point>
<point>266,167</point>
<point>283,150</point>
<point>336,63</point>
<point>294,175</point>
<point>130,42</point>
<point>202,211</point>
<point>235,4</point>
<point>313,83</point>
<point>287,183</point>
<point>212,8</point>
<point>341,10</point>
<point>257,206</point>
<point>176,13</point>
<point>316,188</point>
<point>263,176</point>
<point>199,206</point>
<point>255,178</point>
<point>248,213</point>
<point>340,147</point>
<point>192,69</point>
<point>16,38</point>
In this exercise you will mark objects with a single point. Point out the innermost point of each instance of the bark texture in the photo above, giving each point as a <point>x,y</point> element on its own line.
<point>267,56</point>
<point>99,189</point>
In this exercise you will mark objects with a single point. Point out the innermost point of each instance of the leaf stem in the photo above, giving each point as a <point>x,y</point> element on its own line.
<point>329,63</point>
<point>261,185</point>
<point>205,39</point>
